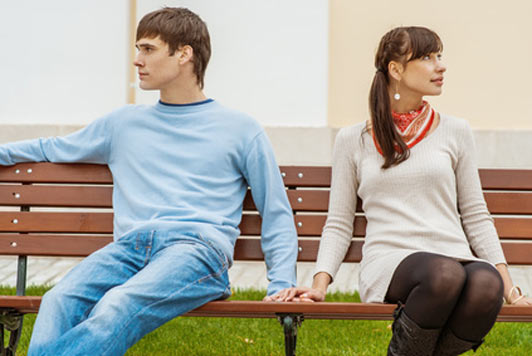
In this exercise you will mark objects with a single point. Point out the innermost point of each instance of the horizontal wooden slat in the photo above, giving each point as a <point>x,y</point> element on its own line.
<point>306,225</point>
<point>250,224</point>
<point>56,196</point>
<point>309,200</point>
<point>317,310</point>
<point>84,245</point>
<point>492,179</point>
<point>258,309</point>
<point>24,305</point>
<point>506,179</point>
<point>514,228</point>
<point>97,223</point>
<point>51,245</point>
<point>302,176</point>
<point>250,250</point>
<point>89,222</point>
<point>312,225</point>
<point>56,173</point>
<point>306,176</point>
<point>308,251</point>
<point>246,249</point>
<point>300,200</point>
<point>509,203</point>
<point>517,253</point>
<point>328,310</point>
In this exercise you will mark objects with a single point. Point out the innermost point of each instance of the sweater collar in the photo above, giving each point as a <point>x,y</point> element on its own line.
<point>181,108</point>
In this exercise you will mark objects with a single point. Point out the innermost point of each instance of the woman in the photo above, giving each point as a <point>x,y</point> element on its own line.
<point>415,171</point>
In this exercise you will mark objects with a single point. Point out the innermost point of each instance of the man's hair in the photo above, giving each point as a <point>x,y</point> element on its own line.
<point>178,27</point>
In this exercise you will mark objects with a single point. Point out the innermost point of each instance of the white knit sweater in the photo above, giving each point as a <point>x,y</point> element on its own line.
<point>431,202</point>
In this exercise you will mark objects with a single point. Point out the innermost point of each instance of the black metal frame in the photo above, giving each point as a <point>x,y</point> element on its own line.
<point>10,320</point>
<point>290,323</point>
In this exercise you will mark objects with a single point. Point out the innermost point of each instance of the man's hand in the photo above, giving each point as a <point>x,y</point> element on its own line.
<point>297,294</point>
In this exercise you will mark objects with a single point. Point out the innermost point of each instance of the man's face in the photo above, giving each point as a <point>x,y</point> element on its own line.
<point>157,69</point>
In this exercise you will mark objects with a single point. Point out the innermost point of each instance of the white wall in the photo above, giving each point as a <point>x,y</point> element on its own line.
<point>270,58</point>
<point>66,62</point>
<point>62,61</point>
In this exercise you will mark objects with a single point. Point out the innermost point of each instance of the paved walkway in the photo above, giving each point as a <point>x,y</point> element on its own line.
<point>47,270</point>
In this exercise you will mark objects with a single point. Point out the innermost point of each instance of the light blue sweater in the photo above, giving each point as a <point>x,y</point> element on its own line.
<point>183,168</point>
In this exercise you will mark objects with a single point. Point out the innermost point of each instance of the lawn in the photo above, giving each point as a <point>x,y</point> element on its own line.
<point>224,336</point>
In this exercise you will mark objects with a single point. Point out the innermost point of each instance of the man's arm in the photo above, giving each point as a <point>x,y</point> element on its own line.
<point>90,145</point>
<point>279,236</point>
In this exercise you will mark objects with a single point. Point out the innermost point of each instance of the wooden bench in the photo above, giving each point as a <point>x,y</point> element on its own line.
<point>65,210</point>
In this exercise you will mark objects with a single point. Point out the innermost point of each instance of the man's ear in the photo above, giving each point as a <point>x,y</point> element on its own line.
<point>395,69</point>
<point>185,54</point>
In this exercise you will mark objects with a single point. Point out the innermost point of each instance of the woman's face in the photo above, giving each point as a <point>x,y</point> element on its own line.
<point>423,76</point>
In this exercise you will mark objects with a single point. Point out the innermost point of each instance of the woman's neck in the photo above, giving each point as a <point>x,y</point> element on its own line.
<point>405,105</point>
<point>407,102</point>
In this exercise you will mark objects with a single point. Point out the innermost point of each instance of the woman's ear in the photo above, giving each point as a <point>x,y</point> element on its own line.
<point>395,70</point>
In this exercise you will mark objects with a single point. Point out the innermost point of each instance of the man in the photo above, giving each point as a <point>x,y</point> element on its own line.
<point>181,169</point>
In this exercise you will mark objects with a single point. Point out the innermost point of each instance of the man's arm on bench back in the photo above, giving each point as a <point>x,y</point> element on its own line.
<point>279,236</point>
<point>90,145</point>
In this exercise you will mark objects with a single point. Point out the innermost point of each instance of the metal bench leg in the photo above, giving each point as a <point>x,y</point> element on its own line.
<point>2,348</point>
<point>290,323</point>
<point>13,323</point>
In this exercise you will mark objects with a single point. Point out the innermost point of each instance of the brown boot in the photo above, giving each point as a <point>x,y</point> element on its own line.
<point>409,339</point>
<point>450,345</point>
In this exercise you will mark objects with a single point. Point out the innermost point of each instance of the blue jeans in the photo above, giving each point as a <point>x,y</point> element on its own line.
<point>125,290</point>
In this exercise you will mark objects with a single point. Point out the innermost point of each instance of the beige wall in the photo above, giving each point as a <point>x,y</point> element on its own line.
<point>487,50</point>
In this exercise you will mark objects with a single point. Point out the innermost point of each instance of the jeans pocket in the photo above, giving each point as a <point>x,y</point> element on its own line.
<point>221,256</point>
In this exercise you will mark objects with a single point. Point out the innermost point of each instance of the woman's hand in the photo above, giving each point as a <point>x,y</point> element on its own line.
<point>524,302</point>
<point>297,294</point>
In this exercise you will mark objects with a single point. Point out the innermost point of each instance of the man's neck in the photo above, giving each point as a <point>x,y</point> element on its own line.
<point>182,95</point>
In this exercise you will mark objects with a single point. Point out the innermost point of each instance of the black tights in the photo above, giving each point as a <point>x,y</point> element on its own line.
<point>438,291</point>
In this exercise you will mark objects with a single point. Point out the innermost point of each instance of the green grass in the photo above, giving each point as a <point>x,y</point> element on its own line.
<point>225,336</point>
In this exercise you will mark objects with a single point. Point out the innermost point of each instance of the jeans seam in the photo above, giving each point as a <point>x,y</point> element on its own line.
<point>131,317</point>
<point>221,256</point>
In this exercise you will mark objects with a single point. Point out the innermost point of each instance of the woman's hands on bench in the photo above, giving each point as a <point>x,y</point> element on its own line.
<point>304,294</point>
<point>297,294</point>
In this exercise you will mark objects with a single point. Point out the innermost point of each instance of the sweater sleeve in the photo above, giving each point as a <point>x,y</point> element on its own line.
<point>279,237</point>
<point>476,219</point>
<point>338,230</point>
<point>90,145</point>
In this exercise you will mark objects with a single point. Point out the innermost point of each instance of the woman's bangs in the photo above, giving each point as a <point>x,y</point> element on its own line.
<point>423,42</point>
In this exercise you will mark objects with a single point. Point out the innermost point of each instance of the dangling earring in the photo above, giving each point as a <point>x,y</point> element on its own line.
<point>397,96</point>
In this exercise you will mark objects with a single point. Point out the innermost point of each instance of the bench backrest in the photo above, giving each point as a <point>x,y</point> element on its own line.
<point>66,210</point>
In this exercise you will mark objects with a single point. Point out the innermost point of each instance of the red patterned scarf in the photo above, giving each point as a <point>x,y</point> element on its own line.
<point>412,126</point>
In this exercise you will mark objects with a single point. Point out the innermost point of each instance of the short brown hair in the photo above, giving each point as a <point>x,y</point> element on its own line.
<point>178,27</point>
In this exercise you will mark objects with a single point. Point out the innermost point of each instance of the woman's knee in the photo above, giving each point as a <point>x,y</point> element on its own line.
<point>484,287</point>
<point>446,278</point>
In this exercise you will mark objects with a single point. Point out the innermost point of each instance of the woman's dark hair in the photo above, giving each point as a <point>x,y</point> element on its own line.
<point>402,44</point>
